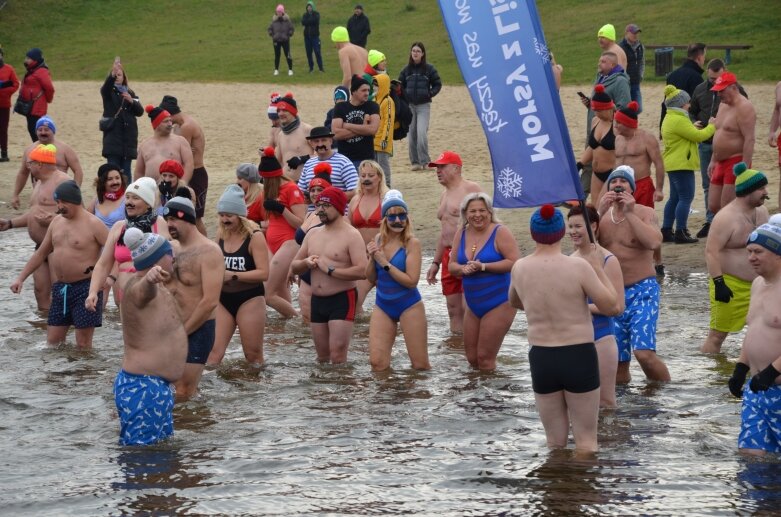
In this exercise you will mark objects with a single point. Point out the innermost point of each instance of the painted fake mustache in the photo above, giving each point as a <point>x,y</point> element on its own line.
<point>765,197</point>
<point>367,182</point>
<point>60,211</point>
<point>321,148</point>
<point>397,225</point>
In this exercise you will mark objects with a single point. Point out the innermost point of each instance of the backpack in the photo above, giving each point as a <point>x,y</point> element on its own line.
<point>403,112</point>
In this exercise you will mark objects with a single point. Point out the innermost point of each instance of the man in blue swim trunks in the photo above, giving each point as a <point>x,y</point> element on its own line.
<point>72,245</point>
<point>155,344</point>
<point>196,284</point>
<point>631,232</point>
<point>760,429</point>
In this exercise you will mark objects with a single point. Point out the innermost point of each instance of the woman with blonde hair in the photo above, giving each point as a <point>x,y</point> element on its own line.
<point>486,253</point>
<point>394,266</point>
<point>285,210</point>
<point>365,211</point>
<point>242,300</point>
<point>248,178</point>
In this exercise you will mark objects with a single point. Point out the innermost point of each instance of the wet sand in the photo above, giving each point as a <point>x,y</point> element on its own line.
<point>234,119</point>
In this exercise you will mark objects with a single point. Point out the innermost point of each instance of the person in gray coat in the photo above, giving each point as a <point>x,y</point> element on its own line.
<point>281,30</point>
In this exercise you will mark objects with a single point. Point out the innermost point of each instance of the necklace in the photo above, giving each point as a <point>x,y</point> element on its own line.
<point>613,218</point>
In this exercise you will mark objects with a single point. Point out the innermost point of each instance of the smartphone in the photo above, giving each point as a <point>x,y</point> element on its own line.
<point>582,95</point>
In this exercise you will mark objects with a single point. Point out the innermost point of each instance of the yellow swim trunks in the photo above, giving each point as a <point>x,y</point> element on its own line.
<point>730,317</point>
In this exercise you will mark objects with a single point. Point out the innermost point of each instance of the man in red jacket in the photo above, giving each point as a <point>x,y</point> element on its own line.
<point>9,83</point>
<point>37,87</point>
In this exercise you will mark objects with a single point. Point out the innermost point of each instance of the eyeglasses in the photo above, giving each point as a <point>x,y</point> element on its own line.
<point>323,205</point>
<point>397,217</point>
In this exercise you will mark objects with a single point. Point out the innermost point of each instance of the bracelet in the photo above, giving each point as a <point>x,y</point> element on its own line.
<point>113,278</point>
<point>10,224</point>
<point>483,264</point>
<point>436,263</point>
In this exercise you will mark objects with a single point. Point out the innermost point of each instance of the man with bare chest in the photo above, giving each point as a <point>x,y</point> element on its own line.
<point>42,164</point>
<point>336,256</point>
<point>292,144</point>
<point>66,157</point>
<point>162,146</point>
<point>448,167</point>
<point>726,257</point>
<point>733,141</point>
<point>72,246</point>
<point>631,232</point>
<point>188,128</point>
<point>199,269</point>
<point>352,58</point>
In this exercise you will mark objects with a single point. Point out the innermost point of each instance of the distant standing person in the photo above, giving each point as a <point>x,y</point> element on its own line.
<point>281,30</point>
<point>9,83</point>
<point>420,83</point>
<point>311,23</point>
<point>358,27</point>
<point>121,107</point>
<point>635,62</point>
<point>189,129</point>
<point>552,289</point>
<point>775,123</point>
<point>143,390</point>
<point>687,76</point>
<point>37,88</point>
<point>352,58</point>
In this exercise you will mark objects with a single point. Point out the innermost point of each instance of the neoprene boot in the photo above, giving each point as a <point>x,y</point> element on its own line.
<point>683,237</point>
<point>668,235</point>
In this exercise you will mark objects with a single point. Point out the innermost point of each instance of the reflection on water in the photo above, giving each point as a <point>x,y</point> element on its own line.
<point>297,437</point>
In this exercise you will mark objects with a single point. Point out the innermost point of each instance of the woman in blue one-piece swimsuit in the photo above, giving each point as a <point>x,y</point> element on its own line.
<point>394,266</point>
<point>486,253</point>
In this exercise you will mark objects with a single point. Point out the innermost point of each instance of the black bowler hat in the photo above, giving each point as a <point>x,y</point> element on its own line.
<point>320,132</point>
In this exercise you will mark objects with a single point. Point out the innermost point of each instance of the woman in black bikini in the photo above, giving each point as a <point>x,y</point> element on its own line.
<point>601,148</point>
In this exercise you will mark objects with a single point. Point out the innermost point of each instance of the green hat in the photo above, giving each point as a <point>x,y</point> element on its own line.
<point>375,58</point>
<point>607,31</point>
<point>675,98</point>
<point>747,180</point>
<point>340,35</point>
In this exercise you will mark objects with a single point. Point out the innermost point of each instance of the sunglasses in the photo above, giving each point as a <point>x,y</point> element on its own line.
<point>397,217</point>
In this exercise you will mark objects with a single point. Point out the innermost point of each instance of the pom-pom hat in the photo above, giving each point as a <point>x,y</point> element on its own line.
<point>547,225</point>
<point>600,100</point>
<point>675,98</point>
<point>768,236</point>
<point>747,180</point>
<point>628,116</point>
<point>146,248</point>
<point>180,208</point>
<point>393,198</point>
<point>269,165</point>
<point>156,115</point>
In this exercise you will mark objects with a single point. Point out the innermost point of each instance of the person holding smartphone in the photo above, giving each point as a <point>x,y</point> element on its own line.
<point>122,106</point>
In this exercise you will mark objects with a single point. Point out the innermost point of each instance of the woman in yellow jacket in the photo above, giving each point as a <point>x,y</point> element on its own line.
<point>681,159</point>
<point>383,140</point>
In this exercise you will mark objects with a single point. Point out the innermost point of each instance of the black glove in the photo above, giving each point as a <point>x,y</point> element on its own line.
<point>579,165</point>
<point>735,382</point>
<point>6,84</point>
<point>297,161</point>
<point>723,292</point>
<point>764,379</point>
<point>272,205</point>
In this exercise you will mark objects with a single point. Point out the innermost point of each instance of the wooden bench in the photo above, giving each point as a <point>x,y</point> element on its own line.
<point>726,48</point>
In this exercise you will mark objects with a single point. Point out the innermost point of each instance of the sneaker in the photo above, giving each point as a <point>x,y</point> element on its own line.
<point>668,235</point>
<point>703,231</point>
<point>683,237</point>
<point>417,167</point>
<point>276,72</point>
<point>289,72</point>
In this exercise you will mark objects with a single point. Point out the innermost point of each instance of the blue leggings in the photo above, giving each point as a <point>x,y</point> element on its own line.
<point>681,197</point>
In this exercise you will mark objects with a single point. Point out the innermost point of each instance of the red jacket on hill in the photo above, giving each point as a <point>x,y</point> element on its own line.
<point>7,73</point>
<point>35,82</point>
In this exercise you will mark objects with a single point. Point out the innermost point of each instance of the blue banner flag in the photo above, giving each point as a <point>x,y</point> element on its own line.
<point>505,63</point>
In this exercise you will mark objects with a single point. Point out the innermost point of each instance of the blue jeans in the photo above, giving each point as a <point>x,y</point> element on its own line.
<point>635,95</point>
<point>313,45</point>
<point>680,201</point>
<point>705,151</point>
<point>124,164</point>
<point>417,138</point>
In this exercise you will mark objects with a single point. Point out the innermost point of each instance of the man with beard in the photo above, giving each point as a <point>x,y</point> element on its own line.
<point>163,145</point>
<point>66,157</point>
<point>356,122</point>
<point>343,173</point>
<point>727,258</point>
<point>292,146</point>
<point>72,246</point>
<point>196,285</point>
<point>188,128</point>
<point>336,256</point>
<point>42,163</point>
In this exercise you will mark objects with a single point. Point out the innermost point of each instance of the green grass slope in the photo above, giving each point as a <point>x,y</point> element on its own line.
<point>226,40</point>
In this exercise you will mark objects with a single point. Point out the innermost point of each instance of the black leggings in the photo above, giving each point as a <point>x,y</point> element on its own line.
<point>278,46</point>
<point>31,121</point>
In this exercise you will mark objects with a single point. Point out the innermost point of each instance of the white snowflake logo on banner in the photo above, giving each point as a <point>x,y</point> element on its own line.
<point>542,50</point>
<point>509,183</point>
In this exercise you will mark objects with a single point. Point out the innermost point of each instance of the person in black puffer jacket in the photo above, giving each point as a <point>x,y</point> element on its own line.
<point>420,82</point>
<point>120,141</point>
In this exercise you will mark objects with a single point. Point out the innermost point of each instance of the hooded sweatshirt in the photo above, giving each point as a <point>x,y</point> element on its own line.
<point>383,140</point>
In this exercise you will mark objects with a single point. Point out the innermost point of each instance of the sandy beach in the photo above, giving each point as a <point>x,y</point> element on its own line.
<point>234,119</point>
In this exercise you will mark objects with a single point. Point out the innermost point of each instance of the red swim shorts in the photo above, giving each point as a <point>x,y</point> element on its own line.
<point>644,191</point>
<point>450,284</point>
<point>778,142</point>
<point>723,173</point>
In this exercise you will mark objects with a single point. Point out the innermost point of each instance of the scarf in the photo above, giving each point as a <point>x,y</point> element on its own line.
<point>292,126</point>
<point>113,196</point>
<point>143,222</point>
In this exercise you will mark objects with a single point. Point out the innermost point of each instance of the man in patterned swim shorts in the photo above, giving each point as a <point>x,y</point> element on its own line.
<point>155,344</point>
<point>72,246</point>
<point>760,426</point>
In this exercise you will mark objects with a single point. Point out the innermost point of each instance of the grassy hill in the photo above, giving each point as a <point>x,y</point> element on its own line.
<point>226,40</point>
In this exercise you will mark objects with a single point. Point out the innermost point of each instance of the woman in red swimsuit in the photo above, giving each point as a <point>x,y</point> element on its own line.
<point>365,212</point>
<point>285,210</point>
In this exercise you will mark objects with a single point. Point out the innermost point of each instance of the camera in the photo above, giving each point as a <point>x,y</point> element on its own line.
<point>618,190</point>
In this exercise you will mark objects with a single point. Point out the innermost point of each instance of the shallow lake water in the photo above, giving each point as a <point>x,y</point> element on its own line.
<point>300,438</point>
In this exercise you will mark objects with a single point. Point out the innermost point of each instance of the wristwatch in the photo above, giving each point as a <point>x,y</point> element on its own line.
<point>330,270</point>
<point>386,267</point>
